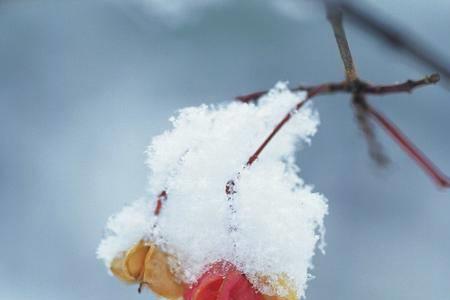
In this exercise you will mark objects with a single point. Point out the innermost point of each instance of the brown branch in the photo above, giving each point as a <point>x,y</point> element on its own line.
<point>345,87</point>
<point>358,89</point>
<point>365,125</point>
<point>355,86</point>
<point>334,15</point>
<point>360,86</point>
<point>397,38</point>
<point>251,97</point>
<point>408,86</point>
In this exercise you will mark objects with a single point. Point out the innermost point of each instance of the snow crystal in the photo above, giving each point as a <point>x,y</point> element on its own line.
<point>270,227</point>
<point>124,230</point>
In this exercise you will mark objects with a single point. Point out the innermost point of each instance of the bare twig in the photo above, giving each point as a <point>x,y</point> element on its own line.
<point>363,119</point>
<point>230,185</point>
<point>335,17</point>
<point>346,87</point>
<point>162,197</point>
<point>439,177</point>
<point>360,86</point>
<point>401,38</point>
<point>316,91</point>
<point>408,86</point>
<point>357,88</point>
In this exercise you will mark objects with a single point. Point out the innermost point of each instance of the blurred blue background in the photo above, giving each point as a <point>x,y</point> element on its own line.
<point>84,85</point>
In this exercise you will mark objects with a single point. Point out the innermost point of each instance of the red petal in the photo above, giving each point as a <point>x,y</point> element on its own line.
<point>237,287</point>
<point>222,282</point>
<point>208,290</point>
<point>208,285</point>
<point>188,293</point>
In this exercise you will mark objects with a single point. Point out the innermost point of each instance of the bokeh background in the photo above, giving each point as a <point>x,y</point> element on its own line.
<point>84,85</point>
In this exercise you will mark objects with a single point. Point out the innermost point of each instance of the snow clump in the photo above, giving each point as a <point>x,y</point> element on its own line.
<point>272,224</point>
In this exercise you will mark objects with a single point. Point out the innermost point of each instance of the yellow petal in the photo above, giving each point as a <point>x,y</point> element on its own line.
<point>119,270</point>
<point>130,266</point>
<point>135,260</point>
<point>283,283</point>
<point>158,277</point>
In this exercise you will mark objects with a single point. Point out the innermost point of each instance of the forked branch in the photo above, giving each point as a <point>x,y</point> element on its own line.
<point>359,89</point>
<point>394,35</point>
<point>334,15</point>
<point>350,87</point>
<point>438,176</point>
<point>427,165</point>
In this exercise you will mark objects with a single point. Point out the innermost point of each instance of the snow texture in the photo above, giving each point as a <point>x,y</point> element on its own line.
<point>124,230</point>
<point>270,227</point>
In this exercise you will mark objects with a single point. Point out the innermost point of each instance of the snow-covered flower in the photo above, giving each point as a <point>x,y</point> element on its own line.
<point>265,231</point>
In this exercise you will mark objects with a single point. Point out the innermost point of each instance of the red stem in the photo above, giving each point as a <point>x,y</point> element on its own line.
<point>162,197</point>
<point>317,90</point>
<point>437,175</point>
<point>250,97</point>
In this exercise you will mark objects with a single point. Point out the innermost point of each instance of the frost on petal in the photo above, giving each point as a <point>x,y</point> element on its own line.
<point>274,225</point>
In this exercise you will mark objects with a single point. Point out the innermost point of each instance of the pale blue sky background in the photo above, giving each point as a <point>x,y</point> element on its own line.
<point>84,85</point>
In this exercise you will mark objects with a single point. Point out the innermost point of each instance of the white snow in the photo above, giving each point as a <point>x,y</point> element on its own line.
<point>277,219</point>
<point>125,229</point>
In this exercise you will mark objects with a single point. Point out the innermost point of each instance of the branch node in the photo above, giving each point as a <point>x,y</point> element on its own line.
<point>433,78</point>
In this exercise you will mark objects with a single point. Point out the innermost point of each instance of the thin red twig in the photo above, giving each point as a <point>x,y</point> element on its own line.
<point>360,87</point>
<point>230,185</point>
<point>439,177</point>
<point>347,87</point>
<point>317,90</point>
<point>162,197</point>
